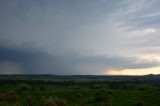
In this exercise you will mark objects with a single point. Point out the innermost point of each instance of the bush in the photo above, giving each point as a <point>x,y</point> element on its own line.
<point>109,100</point>
<point>50,102</point>
<point>30,100</point>
<point>61,102</point>
<point>4,104</point>
<point>139,104</point>
<point>8,96</point>
<point>83,103</point>
<point>99,98</point>
<point>23,87</point>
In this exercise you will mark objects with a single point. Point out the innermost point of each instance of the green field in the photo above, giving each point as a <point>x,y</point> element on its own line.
<point>36,93</point>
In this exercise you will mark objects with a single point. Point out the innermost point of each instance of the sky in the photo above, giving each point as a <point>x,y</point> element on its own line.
<point>80,37</point>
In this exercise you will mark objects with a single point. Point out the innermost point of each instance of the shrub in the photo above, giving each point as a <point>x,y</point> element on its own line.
<point>83,103</point>
<point>50,102</point>
<point>109,100</point>
<point>8,96</point>
<point>23,87</point>
<point>99,98</point>
<point>42,88</point>
<point>139,104</point>
<point>61,102</point>
<point>29,100</point>
<point>4,104</point>
<point>3,96</point>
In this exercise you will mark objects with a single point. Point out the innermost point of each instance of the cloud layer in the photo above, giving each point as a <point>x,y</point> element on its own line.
<point>78,37</point>
<point>28,62</point>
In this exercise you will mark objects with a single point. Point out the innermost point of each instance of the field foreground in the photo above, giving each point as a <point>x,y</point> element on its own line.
<point>50,90</point>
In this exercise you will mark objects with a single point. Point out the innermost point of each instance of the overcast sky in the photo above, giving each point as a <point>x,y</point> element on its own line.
<point>79,36</point>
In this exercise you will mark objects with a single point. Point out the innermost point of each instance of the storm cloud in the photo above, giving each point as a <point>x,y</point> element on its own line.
<point>28,62</point>
<point>78,36</point>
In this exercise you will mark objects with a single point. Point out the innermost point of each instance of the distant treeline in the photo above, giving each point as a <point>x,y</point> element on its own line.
<point>122,83</point>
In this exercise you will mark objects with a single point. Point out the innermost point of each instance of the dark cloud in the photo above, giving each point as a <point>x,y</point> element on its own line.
<point>39,62</point>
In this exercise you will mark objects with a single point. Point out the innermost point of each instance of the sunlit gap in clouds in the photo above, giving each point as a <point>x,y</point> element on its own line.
<point>144,71</point>
<point>154,70</point>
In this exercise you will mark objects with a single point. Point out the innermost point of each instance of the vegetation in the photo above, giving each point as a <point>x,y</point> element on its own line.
<point>47,90</point>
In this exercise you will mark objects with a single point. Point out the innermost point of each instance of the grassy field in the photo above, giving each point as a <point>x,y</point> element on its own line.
<point>22,93</point>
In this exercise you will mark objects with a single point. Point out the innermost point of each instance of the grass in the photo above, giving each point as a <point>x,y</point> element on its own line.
<point>27,95</point>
